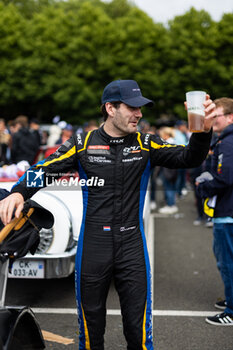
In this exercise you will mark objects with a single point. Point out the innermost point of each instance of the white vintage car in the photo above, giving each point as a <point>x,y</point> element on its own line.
<point>55,256</point>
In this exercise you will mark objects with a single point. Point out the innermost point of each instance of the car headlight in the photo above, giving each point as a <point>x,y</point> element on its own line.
<point>46,239</point>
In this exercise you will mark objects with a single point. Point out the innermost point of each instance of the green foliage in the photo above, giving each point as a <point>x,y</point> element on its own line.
<point>56,56</point>
<point>224,53</point>
<point>28,7</point>
<point>118,8</point>
<point>192,57</point>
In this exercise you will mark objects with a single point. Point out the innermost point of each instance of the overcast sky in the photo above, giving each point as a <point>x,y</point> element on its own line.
<point>164,10</point>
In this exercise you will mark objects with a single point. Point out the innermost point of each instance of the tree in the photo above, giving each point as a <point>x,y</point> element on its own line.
<point>73,49</point>
<point>56,56</point>
<point>192,61</point>
<point>28,7</point>
<point>224,52</point>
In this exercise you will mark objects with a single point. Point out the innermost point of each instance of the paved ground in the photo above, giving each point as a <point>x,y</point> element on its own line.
<point>186,278</point>
<point>186,282</point>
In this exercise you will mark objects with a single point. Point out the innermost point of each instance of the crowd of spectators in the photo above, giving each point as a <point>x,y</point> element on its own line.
<point>21,140</point>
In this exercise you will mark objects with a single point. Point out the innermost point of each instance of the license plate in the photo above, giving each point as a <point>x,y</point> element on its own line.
<point>27,269</point>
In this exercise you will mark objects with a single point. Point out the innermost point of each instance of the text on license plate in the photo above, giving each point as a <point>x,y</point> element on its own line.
<point>27,269</point>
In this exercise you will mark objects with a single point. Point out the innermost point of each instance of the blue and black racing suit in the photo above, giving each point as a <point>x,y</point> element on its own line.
<point>112,242</point>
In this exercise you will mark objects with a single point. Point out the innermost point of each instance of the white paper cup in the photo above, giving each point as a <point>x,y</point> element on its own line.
<point>196,113</point>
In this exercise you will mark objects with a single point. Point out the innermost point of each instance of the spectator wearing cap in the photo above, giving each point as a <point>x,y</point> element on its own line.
<point>181,133</point>
<point>144,126</point>
<point>90,125</point>
<point>66,133</point>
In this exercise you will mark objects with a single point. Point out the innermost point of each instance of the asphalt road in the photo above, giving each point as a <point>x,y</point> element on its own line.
<point>186,286</point>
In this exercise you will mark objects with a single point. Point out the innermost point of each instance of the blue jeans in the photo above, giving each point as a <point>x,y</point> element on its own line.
<point>152,186</point>
<point>169,192</point>
<point>180,181</point>
<point>223,250</point>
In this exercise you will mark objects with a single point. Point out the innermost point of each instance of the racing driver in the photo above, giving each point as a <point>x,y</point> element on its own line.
<point>112,242</point>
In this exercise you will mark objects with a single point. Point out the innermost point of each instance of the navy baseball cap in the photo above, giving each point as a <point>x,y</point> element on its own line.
<point>126,91</point>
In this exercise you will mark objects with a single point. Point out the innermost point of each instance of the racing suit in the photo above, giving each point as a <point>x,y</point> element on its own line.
<point>112,241</point>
